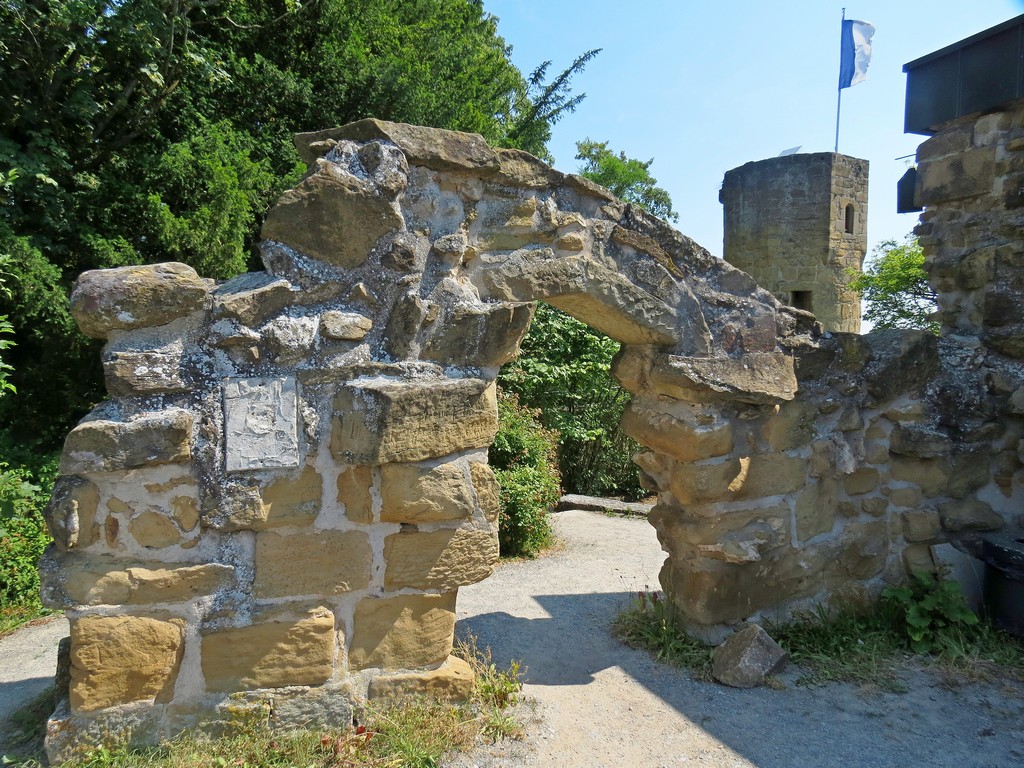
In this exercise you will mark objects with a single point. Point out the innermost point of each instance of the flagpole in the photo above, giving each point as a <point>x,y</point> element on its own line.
<point>839,98</point>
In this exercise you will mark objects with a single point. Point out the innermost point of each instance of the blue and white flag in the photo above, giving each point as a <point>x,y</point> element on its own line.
<point>855,52</point>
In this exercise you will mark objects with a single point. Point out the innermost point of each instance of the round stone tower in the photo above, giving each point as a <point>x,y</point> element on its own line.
<point>798,225</point>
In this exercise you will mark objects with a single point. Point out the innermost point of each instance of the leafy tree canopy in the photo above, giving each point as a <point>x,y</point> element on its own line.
<point>139,131</point>
<point>895,288</point>
<point>628,178</point>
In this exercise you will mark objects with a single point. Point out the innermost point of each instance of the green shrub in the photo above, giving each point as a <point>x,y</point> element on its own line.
<point>24,492</point>
<point>523,459</point>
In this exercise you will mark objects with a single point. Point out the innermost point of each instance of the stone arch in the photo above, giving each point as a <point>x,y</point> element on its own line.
<point>296,459</point>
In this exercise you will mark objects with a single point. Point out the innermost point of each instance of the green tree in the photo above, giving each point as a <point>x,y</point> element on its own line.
<point>895,288</point>
<point>563,372</point>
<point>628,178</point>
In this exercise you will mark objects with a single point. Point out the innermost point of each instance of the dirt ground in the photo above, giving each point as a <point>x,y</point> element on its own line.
<point>600,703</point>
<point>596,703</point>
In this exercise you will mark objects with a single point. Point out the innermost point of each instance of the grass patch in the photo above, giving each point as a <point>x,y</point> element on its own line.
<point>869,645</point>
<point>412,732</point>
<point>649,623</point>
<point>854,645</point>
<point>14,616</point>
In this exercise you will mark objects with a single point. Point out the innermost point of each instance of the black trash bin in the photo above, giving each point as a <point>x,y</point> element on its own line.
<point>1004,581</point>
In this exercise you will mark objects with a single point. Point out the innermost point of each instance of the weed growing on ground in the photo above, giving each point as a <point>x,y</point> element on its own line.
<point>649,623</point>
<point>856,644</point>
<point>933,615</point>
<point>864,644</point>
<point>411,732</point>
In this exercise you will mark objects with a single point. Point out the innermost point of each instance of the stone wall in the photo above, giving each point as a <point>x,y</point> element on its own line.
<point>271,516</point>
<point>798,225</point>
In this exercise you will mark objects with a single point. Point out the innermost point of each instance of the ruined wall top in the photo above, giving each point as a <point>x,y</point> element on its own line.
<point>412,232</point>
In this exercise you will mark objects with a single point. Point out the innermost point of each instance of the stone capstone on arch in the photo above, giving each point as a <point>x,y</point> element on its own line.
<point>289,482</point>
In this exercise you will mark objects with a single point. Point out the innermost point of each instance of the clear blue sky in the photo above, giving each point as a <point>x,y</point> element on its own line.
<point>703,87</point>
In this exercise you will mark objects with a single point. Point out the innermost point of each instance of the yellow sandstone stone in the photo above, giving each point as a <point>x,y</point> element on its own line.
<point>488,497</point>
<point>314,563</point>
<point>354,492</point>
<point>403,632</point>
<point>120,659</point>
<point>154,530</point>
<point>452,680</point>
<point>291,501</point>
<point>270,654</point>
<point>411,493</point>
<point>443,559</point>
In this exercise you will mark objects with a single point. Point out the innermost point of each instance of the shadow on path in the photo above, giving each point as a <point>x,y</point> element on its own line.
<point>834,725</point>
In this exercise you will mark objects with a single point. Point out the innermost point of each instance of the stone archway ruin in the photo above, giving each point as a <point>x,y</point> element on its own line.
<point>272,514</point>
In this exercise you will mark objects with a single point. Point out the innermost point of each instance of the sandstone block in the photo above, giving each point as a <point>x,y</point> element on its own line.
<point>863,552</point>
<point>71,513</point>
<point>120,659</point>
<point>344,326</point>
<point>485,336</point>
<point>443,560</point>
<point>252,298</point>
<point>453,680</point>
<point>144,373</point>
<point>125,298</point>
<point>429,147</point>
<point>291,501</point>
<point>917,558</point>
<point>816,509</point>
<point>792,426</point>
<point>968,472</point>
<point>919,440</point>
<point>280,652</point>
<point>84,580</point>
<point>403,632</point>
<point>768,474</point>
<point>332,562</point>
<point>321,707</point>
<point>679,439</point>
<point>333,216</point>
<point>695,483</point>
<point>354,485</point>
<point>746,658</point>
<point>154,529</point>
<point>902,362</point>
<point>411,493</point>
<point>101,445</point>
<point>876,506</point>
<point>760,378</point>
<point>709,592</point>
<point>864,480</point>
<point>969,515</point>
<point>488,497</point>
<point>932,475</point>
<point>74,737</point>
<point>377,421</point>
<point>185,511</point>
<point>906,497</point>
<point>104,580</point>
<point>921,525</point>
<point>956,176</point>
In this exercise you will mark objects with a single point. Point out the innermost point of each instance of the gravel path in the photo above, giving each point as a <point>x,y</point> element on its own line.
<point>603,704</point>
<point>599,703</point>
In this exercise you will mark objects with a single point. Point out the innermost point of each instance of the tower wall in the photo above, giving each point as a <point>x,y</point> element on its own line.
<point>787,224</point>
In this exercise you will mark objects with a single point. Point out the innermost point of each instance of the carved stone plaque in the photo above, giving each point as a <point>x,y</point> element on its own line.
<point>260,424</point>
